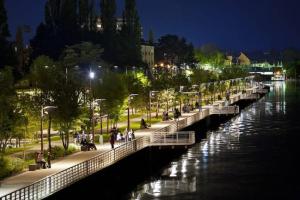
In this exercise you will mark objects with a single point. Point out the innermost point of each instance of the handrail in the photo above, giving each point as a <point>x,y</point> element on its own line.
<point>56,182</point>
<point>53,183</point>
<point>165,138</point>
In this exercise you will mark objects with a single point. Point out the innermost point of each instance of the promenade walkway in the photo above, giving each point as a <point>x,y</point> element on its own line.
<point>88,162</point>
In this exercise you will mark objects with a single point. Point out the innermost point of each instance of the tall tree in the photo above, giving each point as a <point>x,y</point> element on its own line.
<point>92,17</point>
<point>83,17</point>
<point>151,37</point>
<point>8,111</point>
<point>65,95</point>
<point>172,49</point>
<point>131,35</point>
<point>4,34</point>
<point>20,50</point>
<point>108,21</point>
<point>60,28</point>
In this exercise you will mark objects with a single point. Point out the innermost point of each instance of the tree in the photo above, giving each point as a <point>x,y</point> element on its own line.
<point>108,21</point>
<point>172,49</point>
<point>6,53</point>
<point>210,54</point>
<point>60,28</point>
<point>20,50</point>
<point>83,15</point>
<point>151,37</point>
<point>84,54</point>
<point>291,61</point>
<point>8,110</point>
<point>113,89</point>
<point>4,32</point>
<point>65,96</point>
<point>130,36</point>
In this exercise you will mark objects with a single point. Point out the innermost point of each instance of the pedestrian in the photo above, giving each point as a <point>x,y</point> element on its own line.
<point>83,137</point>
<point>112,140</point>
<point>126,135</point>
<point>132,134</point>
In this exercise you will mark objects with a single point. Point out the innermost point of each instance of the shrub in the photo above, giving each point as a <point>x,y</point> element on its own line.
<point>58,151</point>
<point>10,166</point>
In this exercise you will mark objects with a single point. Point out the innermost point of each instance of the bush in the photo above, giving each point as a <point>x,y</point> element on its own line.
<point>10,166</point>
<point>105,137</point>
<point>58,151</point>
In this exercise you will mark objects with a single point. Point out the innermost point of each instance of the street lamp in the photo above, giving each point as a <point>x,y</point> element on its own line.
<point>48,110</point>
<point>91,76</point>
<point>98,101</point>
<point>128,119</point>
<point>151,93</point>
<point>42,142</point>
<point>199,95</point>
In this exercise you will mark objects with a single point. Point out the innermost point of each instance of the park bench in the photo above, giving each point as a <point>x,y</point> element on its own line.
<point>33,167</point>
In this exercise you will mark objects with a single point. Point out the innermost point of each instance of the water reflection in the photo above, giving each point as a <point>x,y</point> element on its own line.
<point>234,160</point>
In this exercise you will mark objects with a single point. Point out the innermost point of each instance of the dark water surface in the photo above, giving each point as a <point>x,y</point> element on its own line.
<point>252,156</point>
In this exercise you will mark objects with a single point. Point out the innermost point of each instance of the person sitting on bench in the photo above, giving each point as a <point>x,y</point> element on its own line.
<point>143,123</point>
<point>40,160</point>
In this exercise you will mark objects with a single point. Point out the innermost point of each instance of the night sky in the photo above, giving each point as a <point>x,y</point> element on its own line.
<point>239,25</point>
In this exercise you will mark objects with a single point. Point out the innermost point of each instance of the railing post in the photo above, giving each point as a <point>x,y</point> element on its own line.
<point>87,167</point>
<point>177,137</point>
<point>49,183</point>
<point>114,154</point>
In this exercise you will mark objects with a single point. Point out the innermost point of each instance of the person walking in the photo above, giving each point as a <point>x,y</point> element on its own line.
<point>112,140</point>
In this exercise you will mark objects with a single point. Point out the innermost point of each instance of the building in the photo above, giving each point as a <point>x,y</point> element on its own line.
<point>147,52</point>
<point>243,59</point>
<point>119,24</point>
<point>228,61</point>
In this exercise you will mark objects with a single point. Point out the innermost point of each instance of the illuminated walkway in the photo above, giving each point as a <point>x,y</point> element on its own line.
<point>43,182</point>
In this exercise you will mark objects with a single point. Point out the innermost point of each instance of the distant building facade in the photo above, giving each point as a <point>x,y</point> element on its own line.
<point>228,61</point>
<point>243,60</point>
<point>147,52</point>
<point>119,24</point>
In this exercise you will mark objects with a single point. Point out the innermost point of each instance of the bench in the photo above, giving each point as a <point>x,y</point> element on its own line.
<point>33,167</point>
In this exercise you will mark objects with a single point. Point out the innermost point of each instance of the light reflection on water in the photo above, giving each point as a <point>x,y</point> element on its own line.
<point>237,155</point>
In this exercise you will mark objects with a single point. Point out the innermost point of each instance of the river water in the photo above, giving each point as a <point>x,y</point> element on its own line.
<point>252,156</point>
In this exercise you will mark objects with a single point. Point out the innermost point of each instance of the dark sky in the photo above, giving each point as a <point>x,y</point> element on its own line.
<point>241,25</point>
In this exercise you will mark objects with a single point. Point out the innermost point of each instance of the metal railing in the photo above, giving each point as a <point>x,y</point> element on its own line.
<point>53,183</point>
<point>263,91</point>
<point>177,138</point>
<point>225,110</point>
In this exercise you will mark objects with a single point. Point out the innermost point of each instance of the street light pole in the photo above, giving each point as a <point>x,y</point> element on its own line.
<point>99,103</point>
<point>42,142</point>
<point>48,110</point>
<point>92,76</point>
<point>150,96</point>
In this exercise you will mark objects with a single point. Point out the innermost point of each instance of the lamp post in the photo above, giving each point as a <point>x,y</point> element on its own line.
<point>42,142</point>
<point>99,103</point>
<point>180,91</point>
<point>128,114</point>
<point>48,110</point>
<point>151,93</point>
<point>199,95</point>
<point>92,76</point>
